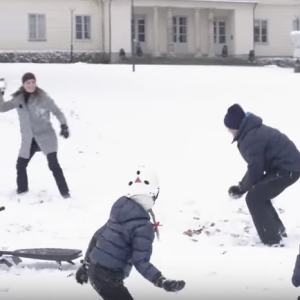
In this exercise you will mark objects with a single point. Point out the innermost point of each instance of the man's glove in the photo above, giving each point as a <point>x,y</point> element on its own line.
<point>64,131</point>
<point>2,86</point>
<point>296,273</point>
<point>168,285</point>
<point>235,192</point>
<point>82,273</point>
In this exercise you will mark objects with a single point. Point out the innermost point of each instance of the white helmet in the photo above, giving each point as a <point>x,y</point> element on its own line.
<point>143,182</point>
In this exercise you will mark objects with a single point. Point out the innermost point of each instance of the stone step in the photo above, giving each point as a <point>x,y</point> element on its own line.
<point>190,61</point>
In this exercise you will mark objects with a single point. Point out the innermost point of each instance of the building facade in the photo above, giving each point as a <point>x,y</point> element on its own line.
<point>161,27</point>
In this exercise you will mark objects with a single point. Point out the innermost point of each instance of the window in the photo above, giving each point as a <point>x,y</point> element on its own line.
<point>219,32</point>
<point>83,27</point>
<point>296,24</point>
<point>261,31</point>
<point>179,29</point>
<point>37,27</point>
<point>138,29</point>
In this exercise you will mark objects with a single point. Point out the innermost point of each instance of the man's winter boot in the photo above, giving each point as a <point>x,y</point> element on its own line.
<point>66,196</point>
<point>19,192</point>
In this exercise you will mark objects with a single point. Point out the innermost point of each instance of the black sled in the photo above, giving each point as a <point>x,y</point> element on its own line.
<point>58,255</point>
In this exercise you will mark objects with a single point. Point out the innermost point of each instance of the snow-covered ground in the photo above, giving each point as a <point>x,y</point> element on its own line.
<point>170,118</point>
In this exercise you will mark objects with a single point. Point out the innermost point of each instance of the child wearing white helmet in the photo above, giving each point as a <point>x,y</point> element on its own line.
<point>124,241</point>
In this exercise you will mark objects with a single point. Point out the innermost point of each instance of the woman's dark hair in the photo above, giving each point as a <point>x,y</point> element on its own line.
<point>38,91</point>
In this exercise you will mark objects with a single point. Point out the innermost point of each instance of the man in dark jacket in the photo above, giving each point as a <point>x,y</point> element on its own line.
<point>125,241</point>
<point>273,165</point>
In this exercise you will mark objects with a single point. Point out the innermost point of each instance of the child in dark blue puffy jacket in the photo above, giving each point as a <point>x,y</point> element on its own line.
<point>125,241</point>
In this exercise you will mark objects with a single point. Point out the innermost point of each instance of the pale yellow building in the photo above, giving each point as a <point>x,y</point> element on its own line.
<point>162,27</point>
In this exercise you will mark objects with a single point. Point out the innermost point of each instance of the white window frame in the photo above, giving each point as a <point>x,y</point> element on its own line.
<point>177,35</point>
<point>40,35</point>
<point>260,32</point>
<point>295,24</point>
<point>82,29</point>
<point>217,32</point>
<point>135,33</point>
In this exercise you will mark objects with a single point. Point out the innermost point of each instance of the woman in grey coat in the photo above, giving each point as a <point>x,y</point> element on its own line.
<point>34,107</point>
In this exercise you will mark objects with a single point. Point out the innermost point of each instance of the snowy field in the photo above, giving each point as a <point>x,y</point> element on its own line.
<point>169,118</point>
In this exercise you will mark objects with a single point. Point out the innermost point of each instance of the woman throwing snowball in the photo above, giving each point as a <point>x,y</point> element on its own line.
<point>34,107</point>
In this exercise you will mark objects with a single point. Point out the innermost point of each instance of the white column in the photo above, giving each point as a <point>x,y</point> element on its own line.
<point>170,47</point>
<point>155,32</point>
<point>197,33</point>
<point>211,44</point>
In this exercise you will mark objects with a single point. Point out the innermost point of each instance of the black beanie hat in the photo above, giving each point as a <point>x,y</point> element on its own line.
<point>234,117</point>
<point>27,76</point>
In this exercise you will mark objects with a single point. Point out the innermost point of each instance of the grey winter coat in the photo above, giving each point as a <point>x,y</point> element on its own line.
<point>125,241</point>
<point>265,149</point>
<point>34,119</point>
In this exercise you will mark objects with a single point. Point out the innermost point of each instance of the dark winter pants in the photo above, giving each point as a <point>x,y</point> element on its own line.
<point>265,218</point>
<point>22,163</point>
<point>108,284</point>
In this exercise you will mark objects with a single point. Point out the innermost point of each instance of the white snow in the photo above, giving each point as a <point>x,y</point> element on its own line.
<point>170,118</point>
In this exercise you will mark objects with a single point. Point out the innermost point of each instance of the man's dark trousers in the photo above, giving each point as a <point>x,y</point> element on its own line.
<point>265,218</point>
